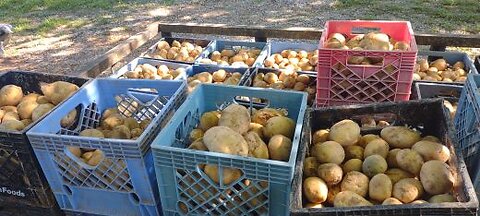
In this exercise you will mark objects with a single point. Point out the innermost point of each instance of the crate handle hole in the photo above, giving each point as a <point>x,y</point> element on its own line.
<point>67,190</point>
<point>145,96</point>
<point>249,102</point>
<point>72,119</point>
<point>86,158</point>
<point>134,198</point>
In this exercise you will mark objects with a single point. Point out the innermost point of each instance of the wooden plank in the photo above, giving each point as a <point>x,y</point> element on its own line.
<point>117,53</point>
<point>305,33</point>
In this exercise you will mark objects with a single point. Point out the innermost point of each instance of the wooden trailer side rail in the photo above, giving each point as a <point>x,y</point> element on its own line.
<point>260,33</point>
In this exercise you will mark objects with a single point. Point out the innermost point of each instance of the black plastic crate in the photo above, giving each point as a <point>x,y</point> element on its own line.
<point>23,187</point>
<point>429,117</point>
<point>423,90</point>
<point>477,62</point>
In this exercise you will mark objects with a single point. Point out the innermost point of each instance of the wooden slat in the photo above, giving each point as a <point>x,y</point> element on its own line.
<point>117,53</point>
<point>305,33</point>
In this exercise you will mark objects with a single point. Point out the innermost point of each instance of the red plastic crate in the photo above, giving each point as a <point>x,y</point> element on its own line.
<point>340,83</point>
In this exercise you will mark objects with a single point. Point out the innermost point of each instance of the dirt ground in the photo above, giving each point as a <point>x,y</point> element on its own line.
<point>67,48</point>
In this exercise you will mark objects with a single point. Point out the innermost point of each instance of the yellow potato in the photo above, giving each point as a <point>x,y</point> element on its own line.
<point>195,134</point>
<point>356,182</point>
<point>331,173</point>
<point>279,125</point>
<point>345,132</point>
<point>432,150</point>
<point>198,145</point>
<point>367,139</point>
<point>310,166</point>
<point>350,199</point>
<point>263,115</point>
<point>354,151</point>
<point>409,160</point>
<point>328,152</point>
<point>10,116</point>
<point>419,202</point>
<point>256,147</point>
<point>320,136</point>
<point>236,117</point>
<point>392,158</point>
<point>257,128</point>
<point>437,177</point>
<point>279,147</point>
<point>10,95</point>
<point>352,165</point>
<point>399,136</point>
<point>41,110</point>
<point>380,187</point>
<point>396,174</point>
<point>112,121</point>
<point>315,190</point>
<point>92,133</point>
<point>441,198</point>
<point>225,140</point>
<point>377,146</point>
<point>333,190</point>
<point>407,190</point>
<point>229,174</point>
<point>58,91</point>
<point>373,165</point>
<point>12,124</point>
<point>121,132</point>
<point>209,120</point>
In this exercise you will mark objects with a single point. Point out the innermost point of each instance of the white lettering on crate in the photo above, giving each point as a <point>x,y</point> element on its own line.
<point>6,190</point>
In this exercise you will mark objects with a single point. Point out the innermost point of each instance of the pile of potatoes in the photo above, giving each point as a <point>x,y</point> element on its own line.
<point>345,169</point>
<point>439,70</point>
<point>266,133</point>
<point>17,110</point>
<point>148,71</point>
<point>298,60</point>
<point>88,156</point>
<point>218,77</point>
<point>115,125</point>
<point>287,80</point>
<point>235,57</point>
<point>184,51</point>
<point>369,41</point>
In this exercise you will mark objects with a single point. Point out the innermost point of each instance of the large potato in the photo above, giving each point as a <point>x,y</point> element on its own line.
<point>320,136</point>
<point>373,165</point>
<point>397,174</point>
<point>26,108</point>
<point>354,151</point>
<point>235,117</point>
<point>352,165</point>
<point>310,166</point>
<point>225,140</point>
<point>329,152</point>
<point>380,187</point>
<point>378,147</point>
<point>58,91</point>
<point>345,132</point>
<point>432,150</point>
<point>279,147</point>
<point>356,182</point>
<point>350,199</point>
<point>315,190</point>
<point>10,95</point>
<point>392,158</point>
<point>407,190</point>
<point>437,177</point>
<point>256,147</point>
<point>331,173</point>
<point>399,136</point>
<point>410,161</point>
<point>441,198</point>
<point>279,125</point>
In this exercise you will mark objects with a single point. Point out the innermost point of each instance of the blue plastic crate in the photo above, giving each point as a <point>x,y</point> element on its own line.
<point>219,45</point>
<point>124,182</point>
<point>196,69</point>
<point>183,185</point>
<point>152,49</point>
<point>139,61</point>
<point>451,58</point>
<point>278,47</point>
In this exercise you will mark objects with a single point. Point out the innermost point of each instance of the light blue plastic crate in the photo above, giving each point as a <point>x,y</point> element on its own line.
<point>467,125</point>
<point>124,182</point>
<point>183,184</point>
<point>451,58</point>
<point>278,47</point>
<point>139,61</point>
<point>219,45</point>
<point>196,69</point>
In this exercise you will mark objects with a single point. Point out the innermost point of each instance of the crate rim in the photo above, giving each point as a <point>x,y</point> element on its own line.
<point>116,75</point>
<point>154,47</point>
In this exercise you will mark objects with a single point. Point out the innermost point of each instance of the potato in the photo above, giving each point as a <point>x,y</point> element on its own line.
<point>279,125</point>
<point>399,136</point>
<point>315,190</point>
<point>76,151</point>
<point>198,145</point>
<point>257,128</point>
<point>396,175</point>
<point>10,95</point>
<point>9,108</point>
<point>432,150</point>
<point>236,117</point>
<point>373,165</point>
<point>354,151</point>
<point>419,202</point>
<point>329,152</point>
<point>109,112</point>
<point>87,155</point>
<point>256,147</point>
<point>32,97</point>
<point>10,116</point>
<point>440,64</point>
<point>225,140</point>
<point>96,158</point>
<point>380,187</point>
<point>229,174</point>
<point>352,165</point>
<point>41,110</point>
<point>310,166</point>
<point>345,132</point>
<point>437,177</point>
<point>313,205</point>
<point>350,199</point>
<point>378,147</point>
<point>219,76</point>
<point>333,190</point>
<point>263,115</point>
<point>112,121</point>
<point>270,78</point>
<point>92,133</point>
<point>209,120</point>
<point>58,91</point>
<point>69,119</point>
<point>195,134</point>
<point>136,132</point>
<point>356,182</point>
<point>367,139</point>
<point>121,132</point>
<point>42,100</point>
<point>279,147</point>
<point>331,173</point>
<point>391,201</point>
<point>409,160</point>
<point>441,198</point>
<point>12,124</point>
<point>26,122</point>
<point>392,158</point>
<point>407,190</point>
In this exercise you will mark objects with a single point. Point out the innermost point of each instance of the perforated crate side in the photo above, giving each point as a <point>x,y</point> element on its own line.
<point>219,45</point>
<point>139,61</point>
<point>183,184</point>
<point>200,42</point>
<point>429,117</point>
<point>94,99</point>
<point>436,90</point>
<point>278,47</point>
